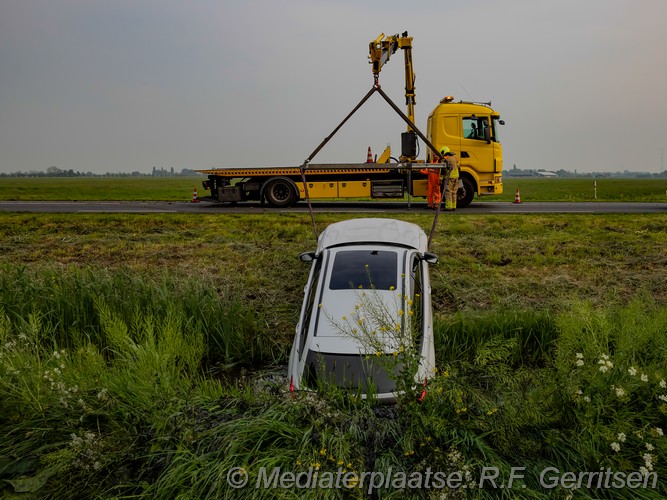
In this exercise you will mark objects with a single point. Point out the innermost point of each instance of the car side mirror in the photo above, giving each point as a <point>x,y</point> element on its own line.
<point>431,258</point>
<point>307,257</point>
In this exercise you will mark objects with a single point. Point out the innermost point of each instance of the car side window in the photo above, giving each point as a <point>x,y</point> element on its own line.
<point>310,302</point>
<point>417,298</point>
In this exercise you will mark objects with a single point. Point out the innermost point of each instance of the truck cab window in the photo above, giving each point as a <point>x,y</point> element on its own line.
<point>474,127</point>
<point>494,131</point>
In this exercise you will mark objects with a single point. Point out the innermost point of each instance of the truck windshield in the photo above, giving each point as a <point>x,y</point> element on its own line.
<point>496,129</point>
<point>364,269</point>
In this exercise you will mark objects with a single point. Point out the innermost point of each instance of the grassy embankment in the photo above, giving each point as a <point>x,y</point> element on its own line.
<point>180,189</point>
<point>130,347</point>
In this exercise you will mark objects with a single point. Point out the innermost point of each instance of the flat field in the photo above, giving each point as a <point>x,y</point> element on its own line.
<point>144,356</point>
<point>180,189</point>
<point>582,189</point>
<point>99,188</point>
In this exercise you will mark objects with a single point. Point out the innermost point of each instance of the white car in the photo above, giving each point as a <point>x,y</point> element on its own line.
<point>368,293</point>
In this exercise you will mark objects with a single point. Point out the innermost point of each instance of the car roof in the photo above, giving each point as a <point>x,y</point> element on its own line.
<point>373,230</point>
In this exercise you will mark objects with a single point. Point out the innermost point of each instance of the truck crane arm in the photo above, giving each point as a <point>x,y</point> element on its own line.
<point>380,50</point>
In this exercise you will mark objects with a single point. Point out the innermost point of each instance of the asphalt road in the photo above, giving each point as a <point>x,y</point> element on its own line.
<point>351,207</point>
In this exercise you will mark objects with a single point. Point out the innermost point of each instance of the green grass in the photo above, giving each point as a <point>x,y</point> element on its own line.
<point>141,356</point>
<point>577,189</point>
<point>99,188</point>
<point>181,188</point>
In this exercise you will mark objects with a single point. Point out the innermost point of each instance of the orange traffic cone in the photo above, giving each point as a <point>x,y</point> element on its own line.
<point>369,158</point>
<point>517,196</point>
<point>195,198</point>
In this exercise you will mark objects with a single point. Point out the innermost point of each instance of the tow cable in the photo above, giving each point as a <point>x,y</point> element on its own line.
<point>376,88</point>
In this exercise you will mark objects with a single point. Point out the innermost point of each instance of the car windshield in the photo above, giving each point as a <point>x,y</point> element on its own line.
<point>364,269</point>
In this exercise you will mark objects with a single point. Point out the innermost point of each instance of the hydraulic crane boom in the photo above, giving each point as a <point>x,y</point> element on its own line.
<point>381,49</point>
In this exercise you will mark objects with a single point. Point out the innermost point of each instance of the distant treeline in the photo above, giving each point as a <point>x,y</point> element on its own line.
<point>518,172</point>
<point>58,172</point>
<point>187,172</point>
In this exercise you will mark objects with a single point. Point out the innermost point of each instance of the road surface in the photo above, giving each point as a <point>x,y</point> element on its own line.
<point>319,206</point>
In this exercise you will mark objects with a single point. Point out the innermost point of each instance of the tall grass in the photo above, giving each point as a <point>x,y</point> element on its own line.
<point>118,385</point>
<point>73,304</point>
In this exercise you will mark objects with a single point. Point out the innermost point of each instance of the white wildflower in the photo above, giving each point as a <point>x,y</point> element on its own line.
<point>580,362</point>
<point>605,364</point>
<point>587,399</point>
<point>663,384</point>
<point>632,371</point>
<point>649,447</point>
<point>620,392</point>
<point>615,446</point>
<point>579,355</point>
<point>657,431</point>
<point>644,377</point>
<point>643,471</point>
<point>663,397</point>
<point>621,437</point>
<point>648,460</point>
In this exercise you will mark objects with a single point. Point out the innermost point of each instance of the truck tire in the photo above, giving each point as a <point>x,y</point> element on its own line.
<point>280,192</point>
<point>465,195</point>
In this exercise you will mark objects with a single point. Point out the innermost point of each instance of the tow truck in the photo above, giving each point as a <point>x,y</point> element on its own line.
<point>469,129</point>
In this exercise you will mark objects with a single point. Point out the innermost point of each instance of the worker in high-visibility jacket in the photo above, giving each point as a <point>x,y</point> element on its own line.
<point>452,187</point>
<point>433,193</point>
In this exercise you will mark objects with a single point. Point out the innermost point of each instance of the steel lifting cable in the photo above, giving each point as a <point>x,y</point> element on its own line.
<point>304,166</point>
<point>376,88</point>
<point>431,146</point>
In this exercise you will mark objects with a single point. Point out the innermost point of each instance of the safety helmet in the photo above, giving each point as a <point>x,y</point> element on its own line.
<point>443,150</point>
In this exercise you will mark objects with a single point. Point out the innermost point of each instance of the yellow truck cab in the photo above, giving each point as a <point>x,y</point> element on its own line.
<point>470,130</point>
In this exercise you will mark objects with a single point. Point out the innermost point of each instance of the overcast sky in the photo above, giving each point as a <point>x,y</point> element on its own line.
<point>125,85</point>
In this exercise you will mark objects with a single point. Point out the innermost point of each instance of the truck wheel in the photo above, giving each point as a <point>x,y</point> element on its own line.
<point>464,196</point>
<point>280,193</point>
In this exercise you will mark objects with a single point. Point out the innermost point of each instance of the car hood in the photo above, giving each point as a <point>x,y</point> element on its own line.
<point>349,330</point>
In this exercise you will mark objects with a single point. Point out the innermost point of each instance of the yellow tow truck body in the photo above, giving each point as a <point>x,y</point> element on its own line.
<point>469,129</point>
